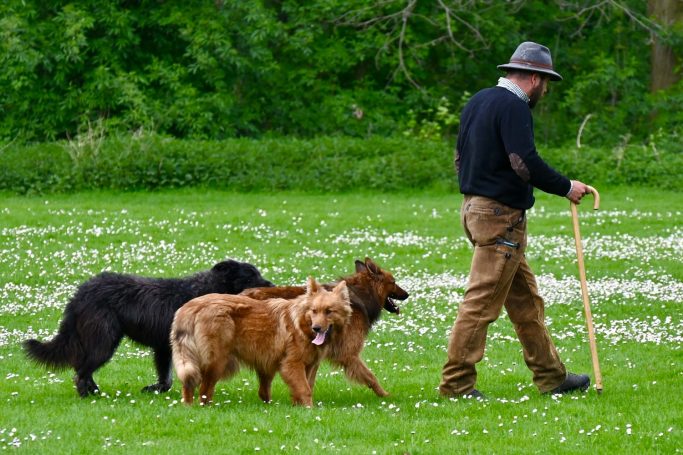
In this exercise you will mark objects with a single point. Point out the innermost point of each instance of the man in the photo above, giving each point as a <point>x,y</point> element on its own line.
<point>498,168</point>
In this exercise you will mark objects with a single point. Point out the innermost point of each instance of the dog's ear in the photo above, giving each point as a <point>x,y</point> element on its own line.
<point>360,266</point>
<point>312,286</point>
<point>343,291</point>
<point>374,268</point>
<point>226,266</point>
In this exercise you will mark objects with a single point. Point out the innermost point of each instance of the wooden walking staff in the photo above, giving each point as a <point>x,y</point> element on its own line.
<point>584,288</point>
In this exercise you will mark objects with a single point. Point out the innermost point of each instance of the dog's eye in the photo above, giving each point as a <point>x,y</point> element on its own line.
<point>328,312</point>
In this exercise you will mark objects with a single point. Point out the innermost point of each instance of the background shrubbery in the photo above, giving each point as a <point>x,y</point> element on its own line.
<point>319,94</point>
<point>150,162</point>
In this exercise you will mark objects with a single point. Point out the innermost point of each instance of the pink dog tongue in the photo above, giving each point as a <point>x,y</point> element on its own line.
<point>319,338</point>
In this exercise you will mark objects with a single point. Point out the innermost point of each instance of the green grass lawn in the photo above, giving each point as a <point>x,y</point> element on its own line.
<point>632,247</point>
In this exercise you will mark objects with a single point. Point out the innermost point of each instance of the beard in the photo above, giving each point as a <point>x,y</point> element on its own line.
<point>535,96</point>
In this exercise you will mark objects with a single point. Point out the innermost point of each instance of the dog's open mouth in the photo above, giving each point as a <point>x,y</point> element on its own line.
<point>320,337</point>
<point>391,306</point>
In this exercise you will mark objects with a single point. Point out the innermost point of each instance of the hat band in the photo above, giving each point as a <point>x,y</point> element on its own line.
<point>529,63</point>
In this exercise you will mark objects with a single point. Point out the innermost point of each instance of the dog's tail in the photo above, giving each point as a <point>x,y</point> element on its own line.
<point>186,356</point>
<point>61,351</point>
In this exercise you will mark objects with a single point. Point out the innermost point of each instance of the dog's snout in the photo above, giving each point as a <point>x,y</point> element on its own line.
<point>316,328</point>
<point>400,294</point>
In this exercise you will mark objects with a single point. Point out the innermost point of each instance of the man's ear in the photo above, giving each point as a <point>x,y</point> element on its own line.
<point>537,79</point>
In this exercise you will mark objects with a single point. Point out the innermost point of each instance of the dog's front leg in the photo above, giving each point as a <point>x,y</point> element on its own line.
<point>294,375</point>
<point>311,373</point>
<point>265,381</point>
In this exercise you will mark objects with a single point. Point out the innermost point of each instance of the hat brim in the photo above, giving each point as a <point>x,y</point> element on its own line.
<point>534,69</point>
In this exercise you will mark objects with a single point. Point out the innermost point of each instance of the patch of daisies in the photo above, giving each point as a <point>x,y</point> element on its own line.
<point>33,251</point>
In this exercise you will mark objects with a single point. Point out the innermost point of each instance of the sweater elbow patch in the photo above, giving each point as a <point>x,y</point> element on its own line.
<point>519,167</point>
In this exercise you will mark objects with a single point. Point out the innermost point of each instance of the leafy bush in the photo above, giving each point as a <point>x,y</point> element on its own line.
<point>147,161</point>
<point>625,164</point>
<point>150,162</point>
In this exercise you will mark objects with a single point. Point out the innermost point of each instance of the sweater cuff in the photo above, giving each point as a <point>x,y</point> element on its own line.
<point>571,187</point>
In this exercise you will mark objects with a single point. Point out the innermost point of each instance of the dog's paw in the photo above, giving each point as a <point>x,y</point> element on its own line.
<point>380,392</point>
<point>157,388</point>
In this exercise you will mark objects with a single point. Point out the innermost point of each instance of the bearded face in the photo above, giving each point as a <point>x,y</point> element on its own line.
<point>538,92</point>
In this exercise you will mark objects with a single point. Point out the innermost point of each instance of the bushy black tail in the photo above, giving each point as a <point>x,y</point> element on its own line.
<point>58,353</point>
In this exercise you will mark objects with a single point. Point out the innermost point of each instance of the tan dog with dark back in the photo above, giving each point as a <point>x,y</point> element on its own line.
<point>370,290</point>
<point>213,334</point>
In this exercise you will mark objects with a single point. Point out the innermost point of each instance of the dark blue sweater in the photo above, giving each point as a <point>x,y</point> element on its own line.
<point>495,154</point>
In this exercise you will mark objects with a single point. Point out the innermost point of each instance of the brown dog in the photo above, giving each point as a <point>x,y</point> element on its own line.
<point>213,334</point>
<point>370,290</point>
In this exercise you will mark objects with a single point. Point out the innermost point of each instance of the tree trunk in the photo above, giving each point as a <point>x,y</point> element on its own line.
<point>664,61</point>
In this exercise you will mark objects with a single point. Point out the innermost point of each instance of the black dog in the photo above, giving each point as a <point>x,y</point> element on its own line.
<point>110,306</point>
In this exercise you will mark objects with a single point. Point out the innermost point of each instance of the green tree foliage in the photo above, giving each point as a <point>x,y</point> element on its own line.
<point>229,68</point>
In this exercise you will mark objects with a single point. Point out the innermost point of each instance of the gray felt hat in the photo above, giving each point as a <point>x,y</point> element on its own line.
<point>530,56</point>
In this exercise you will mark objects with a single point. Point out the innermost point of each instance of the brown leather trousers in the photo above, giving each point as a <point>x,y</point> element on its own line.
<point>499,275</point>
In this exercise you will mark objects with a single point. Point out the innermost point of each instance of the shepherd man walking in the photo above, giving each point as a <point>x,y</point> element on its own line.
<point>498,168</point>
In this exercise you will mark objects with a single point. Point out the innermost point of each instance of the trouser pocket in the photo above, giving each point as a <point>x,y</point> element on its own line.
<point>506,247</point>
<point>490,223</point>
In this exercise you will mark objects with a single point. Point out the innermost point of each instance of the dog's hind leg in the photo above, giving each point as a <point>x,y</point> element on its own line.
<point>85,384</point>
<point>207,389</point>
<point>162,362</point>
<point>219,368</point>
<point>188,394</point>
<point>357,371</point>
<point>99,344</point>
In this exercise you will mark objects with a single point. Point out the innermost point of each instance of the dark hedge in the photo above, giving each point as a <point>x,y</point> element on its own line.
<point>327,164</point>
